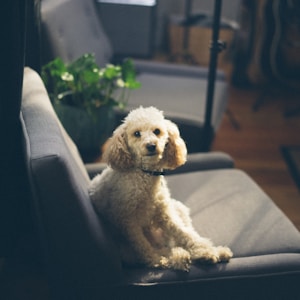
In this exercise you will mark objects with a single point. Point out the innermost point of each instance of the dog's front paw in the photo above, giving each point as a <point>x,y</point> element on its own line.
<point>177,259</point>
<point>224,253</point>
<point>212,255</point>
<point>163,262</point>
<point>180,259</point>
<point>204,254</point>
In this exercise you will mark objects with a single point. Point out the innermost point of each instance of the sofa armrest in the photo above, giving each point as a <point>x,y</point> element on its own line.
<point>94,169</point>
<point>195,162</point>
<point>205,161</point>
<point>165,68</point>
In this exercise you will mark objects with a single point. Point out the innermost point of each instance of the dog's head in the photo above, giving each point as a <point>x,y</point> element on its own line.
<point>146,140</point>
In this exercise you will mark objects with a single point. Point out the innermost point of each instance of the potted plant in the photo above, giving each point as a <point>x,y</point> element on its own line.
<point>84,97</point>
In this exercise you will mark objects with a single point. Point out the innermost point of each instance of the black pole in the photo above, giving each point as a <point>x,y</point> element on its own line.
<point>215,48</point>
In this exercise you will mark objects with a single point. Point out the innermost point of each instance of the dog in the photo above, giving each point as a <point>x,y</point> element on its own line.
<point>132,195</point>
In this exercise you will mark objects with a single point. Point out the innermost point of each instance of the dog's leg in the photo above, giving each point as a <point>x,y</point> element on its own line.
<point>179,225</point>
<point>197,253</point>
<point>143,248</point>
<point>178,259</point>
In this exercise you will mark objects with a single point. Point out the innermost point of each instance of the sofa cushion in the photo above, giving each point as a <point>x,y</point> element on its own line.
<point>229,199</point>
<point>228,207</point>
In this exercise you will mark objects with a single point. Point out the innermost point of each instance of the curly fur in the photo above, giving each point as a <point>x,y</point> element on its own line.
<point>153,228</point>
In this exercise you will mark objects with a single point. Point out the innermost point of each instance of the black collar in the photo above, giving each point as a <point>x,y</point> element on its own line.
<point>153,173</point>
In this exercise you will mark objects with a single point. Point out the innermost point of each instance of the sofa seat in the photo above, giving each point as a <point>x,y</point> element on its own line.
<point>230,208</point>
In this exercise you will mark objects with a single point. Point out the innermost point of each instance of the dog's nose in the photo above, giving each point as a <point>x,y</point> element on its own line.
<point>151,147</point>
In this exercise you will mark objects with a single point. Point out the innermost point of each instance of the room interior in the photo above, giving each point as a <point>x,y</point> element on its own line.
<point>259,127</point>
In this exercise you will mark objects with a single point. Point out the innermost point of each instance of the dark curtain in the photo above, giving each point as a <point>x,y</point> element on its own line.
<point>15,220</point>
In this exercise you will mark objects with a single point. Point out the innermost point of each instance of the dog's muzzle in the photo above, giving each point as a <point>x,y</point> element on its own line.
<point>151,148</point>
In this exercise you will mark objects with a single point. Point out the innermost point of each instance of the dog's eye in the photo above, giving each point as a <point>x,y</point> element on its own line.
<point>156,131</point>
<point>137,133</point>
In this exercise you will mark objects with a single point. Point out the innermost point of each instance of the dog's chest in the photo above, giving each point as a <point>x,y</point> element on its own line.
<point>129,195</point>
<point>145,191</point>
<point>150,192</point>
<point>149,183</point>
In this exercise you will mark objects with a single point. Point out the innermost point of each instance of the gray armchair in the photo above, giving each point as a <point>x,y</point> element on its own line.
<point>71,28</point>
<point>226,205</point>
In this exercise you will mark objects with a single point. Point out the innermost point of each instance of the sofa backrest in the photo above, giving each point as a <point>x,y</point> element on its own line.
<point>68,224</point>
<point>66,27</point>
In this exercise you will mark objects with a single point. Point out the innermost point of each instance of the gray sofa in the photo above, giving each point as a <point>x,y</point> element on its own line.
<point>71,28</point>
<point>226,205</point>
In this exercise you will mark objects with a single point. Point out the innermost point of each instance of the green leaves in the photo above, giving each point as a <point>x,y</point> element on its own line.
<point>83,84</point>
<point>128,75</point>
<point>110,72</point>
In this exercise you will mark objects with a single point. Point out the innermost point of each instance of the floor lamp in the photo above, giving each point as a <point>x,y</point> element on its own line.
<point>215,48</point>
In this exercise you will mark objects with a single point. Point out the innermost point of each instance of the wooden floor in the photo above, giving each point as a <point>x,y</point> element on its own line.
<point>254,138</point>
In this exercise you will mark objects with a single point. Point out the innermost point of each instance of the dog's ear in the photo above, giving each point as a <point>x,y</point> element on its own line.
<point>117,154</point>
<point>175,152</point>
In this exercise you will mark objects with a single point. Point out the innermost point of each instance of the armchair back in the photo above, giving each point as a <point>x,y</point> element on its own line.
<point>74,239</point>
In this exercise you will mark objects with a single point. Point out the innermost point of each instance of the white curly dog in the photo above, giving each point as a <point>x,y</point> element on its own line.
<point>132,195</point>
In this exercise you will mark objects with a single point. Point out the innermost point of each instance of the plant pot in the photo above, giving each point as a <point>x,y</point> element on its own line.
<point>89,134</point>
